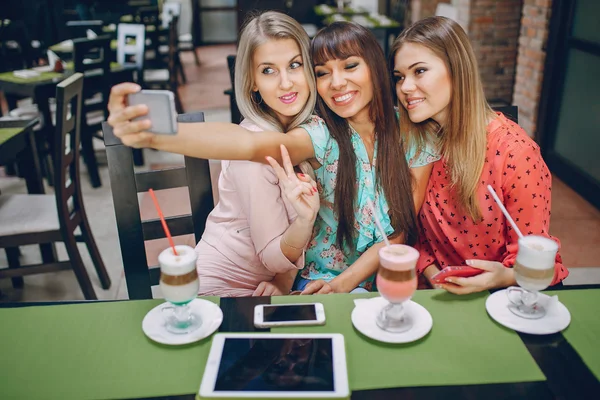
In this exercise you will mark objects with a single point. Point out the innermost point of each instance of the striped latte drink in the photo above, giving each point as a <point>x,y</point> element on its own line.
<point>178,275</point>
<point>179,285</point>
<point>534,266</point>
<point>534,270</point>
<point>397,277</point>
<point>396,282</point>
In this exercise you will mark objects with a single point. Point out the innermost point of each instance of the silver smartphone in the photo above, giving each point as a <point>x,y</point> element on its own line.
<point>161,110</point>
<point>273,315</point>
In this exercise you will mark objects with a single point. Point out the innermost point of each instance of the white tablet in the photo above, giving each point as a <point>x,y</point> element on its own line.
<point>266,365</point>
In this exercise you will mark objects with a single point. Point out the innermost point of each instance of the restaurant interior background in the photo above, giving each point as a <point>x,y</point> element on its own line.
<point>539,55</point>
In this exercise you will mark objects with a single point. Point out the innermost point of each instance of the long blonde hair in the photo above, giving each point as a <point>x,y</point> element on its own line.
<point>270,25</point>
<point>463,137</point>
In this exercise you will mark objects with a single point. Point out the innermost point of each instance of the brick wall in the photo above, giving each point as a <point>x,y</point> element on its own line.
<point>493,27</point>
<point>494,33</point>
<point>530,61</point>
<point>424,8</point>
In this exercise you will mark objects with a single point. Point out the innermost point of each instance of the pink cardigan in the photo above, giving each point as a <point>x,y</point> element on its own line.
<point>240,246</point>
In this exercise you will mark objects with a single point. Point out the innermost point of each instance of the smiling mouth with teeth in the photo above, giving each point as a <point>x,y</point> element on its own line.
<point>343,98</point>
<point>410,103</point>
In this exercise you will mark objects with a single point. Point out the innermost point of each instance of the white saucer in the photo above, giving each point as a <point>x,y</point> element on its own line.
<point>366,310</point>
<point>556,319</point>
<point>153,324</point>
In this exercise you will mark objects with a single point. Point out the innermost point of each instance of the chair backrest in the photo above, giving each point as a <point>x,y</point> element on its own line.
<point>67,189</point>
<point>92,58</point>
<point>126,184</point>
<point>131,43</point>
<point>169,10</point>
<point>92,54</point>
<point>172,52</point>
<point>147,15</point>
<point>510,112</point>
<point>78,29</point>
<point>236,116</point>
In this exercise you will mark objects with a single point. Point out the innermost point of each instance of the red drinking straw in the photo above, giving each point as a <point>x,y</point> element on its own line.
<point>162,220</point>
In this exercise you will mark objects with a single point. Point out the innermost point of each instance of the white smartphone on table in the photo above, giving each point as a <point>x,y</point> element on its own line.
<point>272,315</point>
<point>280,366</point>
<point>161,110</point>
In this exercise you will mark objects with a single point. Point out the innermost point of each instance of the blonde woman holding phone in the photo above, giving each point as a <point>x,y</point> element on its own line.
<point>255,237</point>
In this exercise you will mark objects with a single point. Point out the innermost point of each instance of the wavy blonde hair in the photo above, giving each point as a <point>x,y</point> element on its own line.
<point>270,25</point>
<point>463,137</point>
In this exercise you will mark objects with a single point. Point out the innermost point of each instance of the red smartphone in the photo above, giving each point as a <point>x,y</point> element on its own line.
<point>463,272</point>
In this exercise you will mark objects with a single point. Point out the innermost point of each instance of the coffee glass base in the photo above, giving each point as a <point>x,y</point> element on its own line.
<point>180,320</point>
<point>523,303</point>
<point>529,312</point>
<point>392,318</point>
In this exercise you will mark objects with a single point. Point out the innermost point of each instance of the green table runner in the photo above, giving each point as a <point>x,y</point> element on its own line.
<point>92,351</point>
<point>464,346</point>
<point>7,133</point>
<point>584,330</point>
<point>43,76</point>
<point>46,76</point>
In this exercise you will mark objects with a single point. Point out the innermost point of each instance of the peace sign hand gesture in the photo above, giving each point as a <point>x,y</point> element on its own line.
<point>299,189</point>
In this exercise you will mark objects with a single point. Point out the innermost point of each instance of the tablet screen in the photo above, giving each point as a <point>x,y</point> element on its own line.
<point>274,364</point>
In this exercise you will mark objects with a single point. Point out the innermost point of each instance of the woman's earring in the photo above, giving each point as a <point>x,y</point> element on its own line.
<point>254,97</point>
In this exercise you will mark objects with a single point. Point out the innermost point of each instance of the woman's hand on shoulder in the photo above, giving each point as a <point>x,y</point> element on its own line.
<point>131,133</point>
<point>495,275</point>
<point>300,190</point>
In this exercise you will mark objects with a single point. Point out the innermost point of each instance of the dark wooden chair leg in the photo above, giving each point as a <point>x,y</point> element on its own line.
<point>48,251</point>
<point>79,267</point>
<point>181,71</point>
<point>89,157</point>
<point>138,157</point>
<point>12,255</point>
<point>178,104</point>
<point>45,151</point>
<point>86,233</point>
<point>196,56</point>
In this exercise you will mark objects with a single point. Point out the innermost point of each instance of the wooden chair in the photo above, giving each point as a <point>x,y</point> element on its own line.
<point>126,184</point>
<point>78,29</point>
<point>510,112</point>
<point>37,219</point>
<point>166,78</point>
<point>92,58</point>
<point>185,41</point>
<point>131,45</point>
<point>236,116</point>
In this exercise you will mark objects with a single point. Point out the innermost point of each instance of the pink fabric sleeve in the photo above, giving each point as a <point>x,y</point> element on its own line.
<point>527,188</point>
<point>260,197</point>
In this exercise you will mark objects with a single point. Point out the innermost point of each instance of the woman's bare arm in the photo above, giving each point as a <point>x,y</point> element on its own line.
<point>210,140</point>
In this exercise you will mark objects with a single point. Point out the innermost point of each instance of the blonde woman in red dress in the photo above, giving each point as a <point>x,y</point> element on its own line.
<point>439,88</point>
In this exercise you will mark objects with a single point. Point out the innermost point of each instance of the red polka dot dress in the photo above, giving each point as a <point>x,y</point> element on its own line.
<point>515,169</point>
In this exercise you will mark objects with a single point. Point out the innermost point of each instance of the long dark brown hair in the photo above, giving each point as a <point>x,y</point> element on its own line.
<point>341,40</point>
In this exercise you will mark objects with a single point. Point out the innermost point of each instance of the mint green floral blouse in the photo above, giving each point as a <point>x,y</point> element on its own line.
<point>324,260</point>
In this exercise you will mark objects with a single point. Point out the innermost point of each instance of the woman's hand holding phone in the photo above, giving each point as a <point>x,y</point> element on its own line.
<point>121,117</point>
<point>480,275</point>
